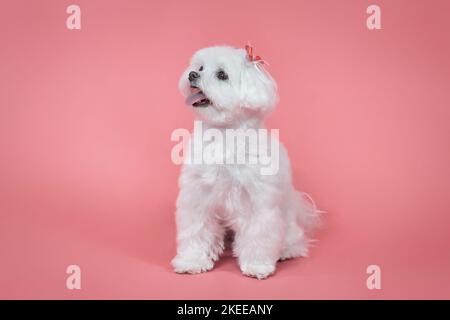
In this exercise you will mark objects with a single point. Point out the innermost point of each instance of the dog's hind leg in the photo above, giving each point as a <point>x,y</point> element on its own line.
<point>302,217</point>
<point>295,243</point>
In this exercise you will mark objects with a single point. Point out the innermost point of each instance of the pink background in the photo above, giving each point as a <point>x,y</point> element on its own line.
<point>85,124</point>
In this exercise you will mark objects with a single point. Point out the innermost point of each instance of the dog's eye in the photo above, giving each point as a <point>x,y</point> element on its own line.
<point>221,75</point>
<point>201,68</point>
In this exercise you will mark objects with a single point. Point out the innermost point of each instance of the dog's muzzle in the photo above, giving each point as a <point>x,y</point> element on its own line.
<point>197,98</point>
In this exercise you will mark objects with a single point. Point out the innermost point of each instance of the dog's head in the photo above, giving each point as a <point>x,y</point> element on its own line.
<point>223,86</point>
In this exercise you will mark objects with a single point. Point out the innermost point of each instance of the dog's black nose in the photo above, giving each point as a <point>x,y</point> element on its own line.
<point>193,75</point>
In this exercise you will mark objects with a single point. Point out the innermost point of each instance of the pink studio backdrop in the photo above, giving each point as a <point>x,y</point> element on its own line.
<point>85,124</point>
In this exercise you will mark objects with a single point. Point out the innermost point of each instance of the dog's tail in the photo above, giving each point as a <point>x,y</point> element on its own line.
<point>308,216</point>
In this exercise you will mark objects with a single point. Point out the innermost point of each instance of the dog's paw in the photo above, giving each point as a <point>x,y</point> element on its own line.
<point>190,265</point>
<point>259,271</point>
<point>294,252</point>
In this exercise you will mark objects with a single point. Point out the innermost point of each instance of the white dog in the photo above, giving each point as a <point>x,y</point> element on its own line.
<point>227,88</point>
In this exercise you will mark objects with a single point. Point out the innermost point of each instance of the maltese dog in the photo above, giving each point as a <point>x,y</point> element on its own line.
<point>228,89</point>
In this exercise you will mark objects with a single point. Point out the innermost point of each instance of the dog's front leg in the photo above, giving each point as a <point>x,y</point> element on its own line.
<point>199,236</point>
<point>258,242</point>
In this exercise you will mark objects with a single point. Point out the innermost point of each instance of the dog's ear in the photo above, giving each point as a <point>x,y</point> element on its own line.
<point>258,88</point>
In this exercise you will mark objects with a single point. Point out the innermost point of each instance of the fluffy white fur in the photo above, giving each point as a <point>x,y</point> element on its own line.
<point>269,218</point>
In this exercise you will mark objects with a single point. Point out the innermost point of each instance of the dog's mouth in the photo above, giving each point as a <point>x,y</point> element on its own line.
<point>197,98</point>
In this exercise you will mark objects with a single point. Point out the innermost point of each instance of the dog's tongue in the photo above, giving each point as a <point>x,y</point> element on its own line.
<point>195,97</point>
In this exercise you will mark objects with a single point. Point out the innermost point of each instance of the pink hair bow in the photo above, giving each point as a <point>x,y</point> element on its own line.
<point>251,57</point>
